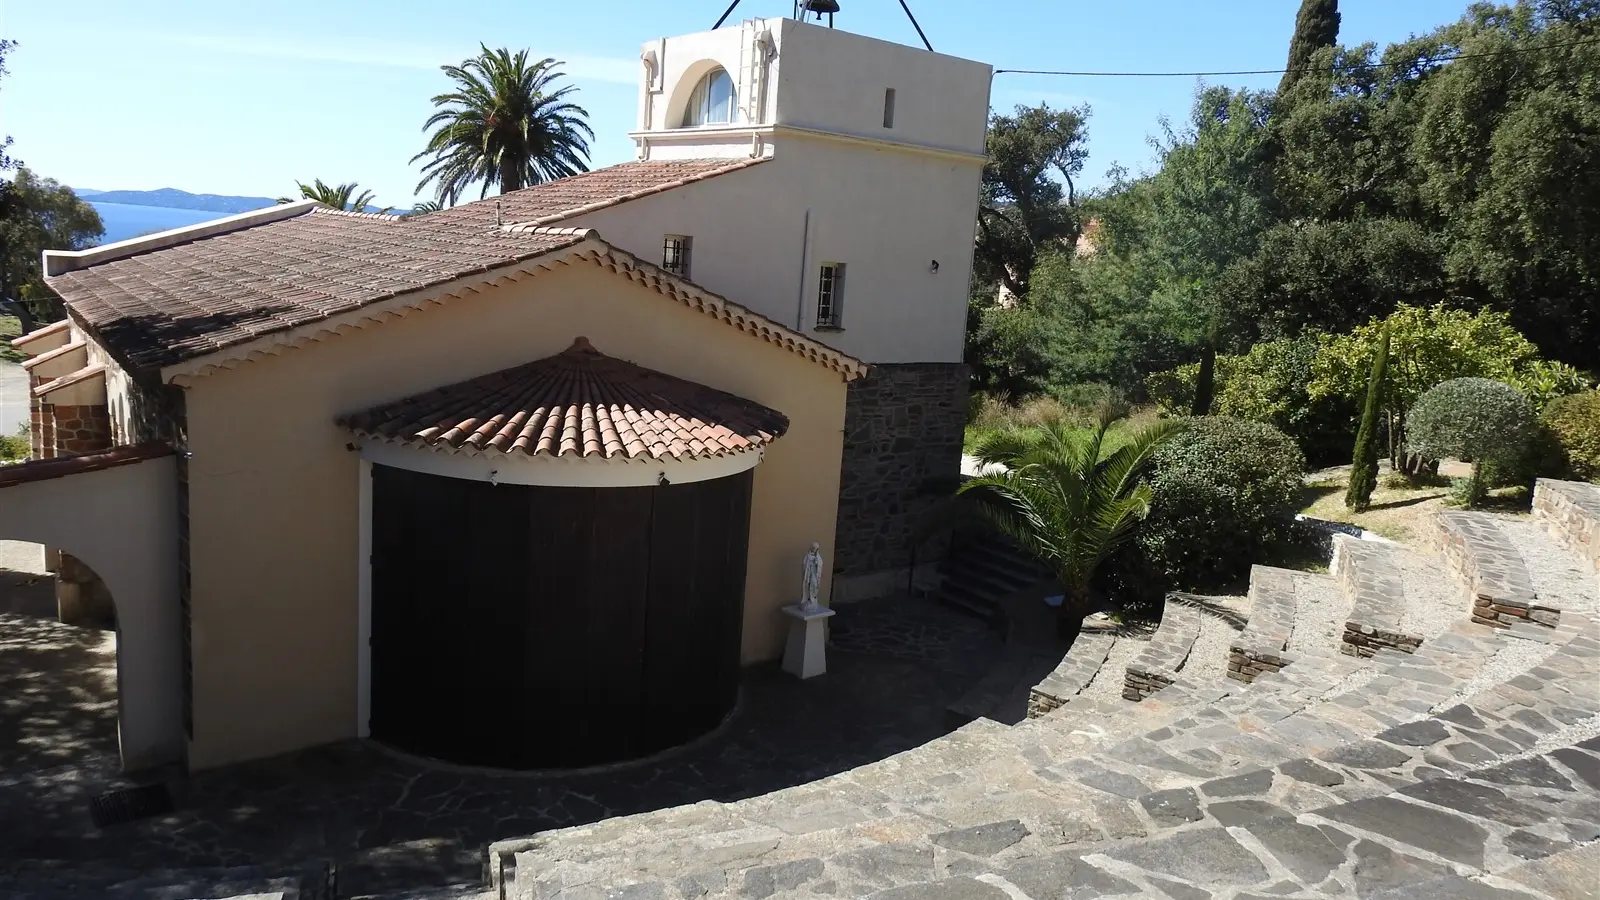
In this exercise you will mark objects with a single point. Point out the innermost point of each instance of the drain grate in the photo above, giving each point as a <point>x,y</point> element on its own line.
<point>130,804</point>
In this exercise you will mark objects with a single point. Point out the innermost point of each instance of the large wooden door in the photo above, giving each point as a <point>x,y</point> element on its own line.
<point>542,627</point>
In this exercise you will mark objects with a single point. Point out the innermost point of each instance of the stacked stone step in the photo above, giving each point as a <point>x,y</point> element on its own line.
<point>1072,675</point>
<point>1370,581</point>
<point>1260,647</point>
<point>1491,570</point>
<point>1002,693</point>
<point>920,778</point>
<point>1092,773</point>
<point>1002,814</point>
<point>1156,667</point>
<point>1570,512</point>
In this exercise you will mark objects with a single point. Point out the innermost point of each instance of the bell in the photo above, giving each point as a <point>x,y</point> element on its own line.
<point>819,7</point>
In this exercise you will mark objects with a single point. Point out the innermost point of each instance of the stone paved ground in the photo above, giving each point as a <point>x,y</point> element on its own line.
<point>391,823</point>
<point>1399,775</point>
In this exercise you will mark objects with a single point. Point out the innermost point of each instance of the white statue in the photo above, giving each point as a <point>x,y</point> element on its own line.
<point>811,578</point>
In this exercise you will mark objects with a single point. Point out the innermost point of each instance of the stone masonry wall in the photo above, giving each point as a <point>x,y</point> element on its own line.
<point>82,429</point>
<point>902,454</point>
<point>1571,514</point>
<point>41,423</point>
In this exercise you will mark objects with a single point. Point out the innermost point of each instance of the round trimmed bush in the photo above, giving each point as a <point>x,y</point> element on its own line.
<point>1223,490</point>
<point>1473,419</point>
<point>1574,420</point>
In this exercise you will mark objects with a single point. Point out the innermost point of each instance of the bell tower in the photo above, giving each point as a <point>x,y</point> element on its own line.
<point>857,228</point>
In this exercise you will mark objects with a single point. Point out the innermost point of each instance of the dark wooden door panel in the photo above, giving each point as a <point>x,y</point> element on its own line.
<point>542,627</point>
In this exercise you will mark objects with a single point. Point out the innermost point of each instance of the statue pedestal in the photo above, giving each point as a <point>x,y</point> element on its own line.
<point>806,654</point>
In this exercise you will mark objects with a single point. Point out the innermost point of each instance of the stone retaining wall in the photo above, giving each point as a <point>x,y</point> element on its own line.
<point>1496,580</point>
<point>1156,666</point>
<point>1260,647</point>
<point>1069,678</point>
<point>1369,579</point>
<point>1570,511</point>
<point>904,425</point>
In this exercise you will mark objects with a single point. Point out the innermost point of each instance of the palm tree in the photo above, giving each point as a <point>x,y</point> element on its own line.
<point>503,125</point>
<point>425,206</point>
<point>342,196</point>
<point>1064,498</point>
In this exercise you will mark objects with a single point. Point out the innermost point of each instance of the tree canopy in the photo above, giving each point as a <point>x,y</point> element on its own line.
<point>1025,209</point>
<point>40,215</point>
<point>1374,180</point>
<point>508,124</point>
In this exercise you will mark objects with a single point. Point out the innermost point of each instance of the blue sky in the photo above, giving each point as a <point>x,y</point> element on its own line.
<point>244,98</point>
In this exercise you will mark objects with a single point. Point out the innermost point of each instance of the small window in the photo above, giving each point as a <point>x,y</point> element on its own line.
<point>675,252</point>
<point>714,101</point>
<point>830,296</point>
<point>888,108</point>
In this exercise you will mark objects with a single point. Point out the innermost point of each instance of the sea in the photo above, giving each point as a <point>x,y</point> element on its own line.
<point>125,220</point>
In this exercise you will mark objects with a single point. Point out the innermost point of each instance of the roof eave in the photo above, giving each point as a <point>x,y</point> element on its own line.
<point>586,243</point>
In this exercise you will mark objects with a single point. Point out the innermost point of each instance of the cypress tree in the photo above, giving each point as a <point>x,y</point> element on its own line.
<point>1364,461</point>
<point>1315,26</point>
<point>1205,384</point>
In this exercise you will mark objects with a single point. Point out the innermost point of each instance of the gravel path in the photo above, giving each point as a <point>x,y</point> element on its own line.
<point>1512,659</point>
<point>1556,572</point>
<point>1320,611</point>
<point>1221,620</point>
<point>1434,601</point>
<point>1106,686</point>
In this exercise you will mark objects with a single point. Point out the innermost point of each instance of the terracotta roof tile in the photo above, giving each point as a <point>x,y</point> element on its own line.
<point>190,294</point>
<point>167,305</point>
<point>60,467</point>
<point>579,402</point>
<point>553,201</point>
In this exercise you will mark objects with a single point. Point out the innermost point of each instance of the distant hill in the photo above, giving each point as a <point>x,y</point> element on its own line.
<point>175,199</point>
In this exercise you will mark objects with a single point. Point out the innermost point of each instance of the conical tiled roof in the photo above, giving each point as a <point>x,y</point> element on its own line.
<point>579,402</point>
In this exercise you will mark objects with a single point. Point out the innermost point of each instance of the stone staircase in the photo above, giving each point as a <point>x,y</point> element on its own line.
<point>982,570</point>
<point>1457,760</point>
<point>1363,734</point>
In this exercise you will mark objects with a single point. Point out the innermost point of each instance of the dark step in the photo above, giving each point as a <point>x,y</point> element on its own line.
<point>966,601</point>
<point>1005,555</point>
<point>978,572</point>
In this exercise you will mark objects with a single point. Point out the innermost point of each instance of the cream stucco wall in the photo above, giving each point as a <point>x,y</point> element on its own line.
<point>123,523</point>
<point>887,215</point>
<point>119,395</point>
<point>886,201</point>
<point>274,489</point>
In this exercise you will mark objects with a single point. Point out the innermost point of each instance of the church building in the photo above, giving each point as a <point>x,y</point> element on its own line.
<point>523,482</point>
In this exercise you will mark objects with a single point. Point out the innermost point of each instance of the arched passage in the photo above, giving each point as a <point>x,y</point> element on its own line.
<point>117,512</point>
<point>58,681</point>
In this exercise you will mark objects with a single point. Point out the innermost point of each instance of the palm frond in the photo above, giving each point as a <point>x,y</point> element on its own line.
<point>505,125</point>
<point>1061,496</point>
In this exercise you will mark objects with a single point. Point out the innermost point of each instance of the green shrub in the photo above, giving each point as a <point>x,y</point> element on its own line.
<point>1573,422</point>
<point>15,448</point>
<point>1224,490</point>
<point>1173,389</point>
<point>1269,384</point>
<point>1479,420</point>
<point>1473,419</point>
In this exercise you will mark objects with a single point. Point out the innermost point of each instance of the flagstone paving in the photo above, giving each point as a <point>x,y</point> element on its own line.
<point>1468,767</point>
<point>390,822</point>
